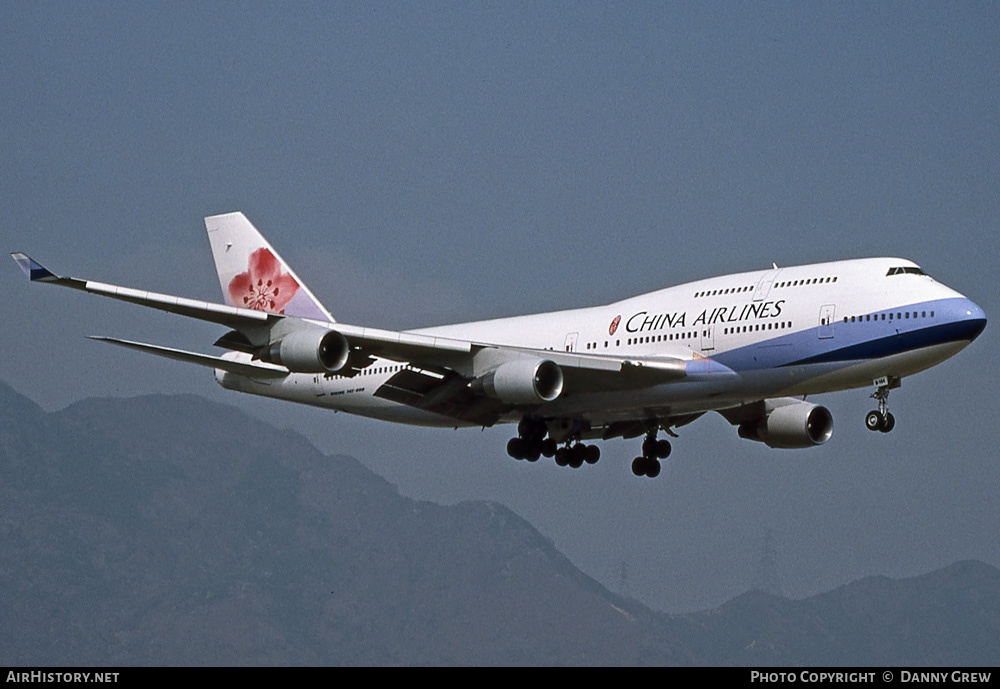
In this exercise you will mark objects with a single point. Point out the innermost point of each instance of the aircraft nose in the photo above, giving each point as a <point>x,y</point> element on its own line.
<point>974,321</point>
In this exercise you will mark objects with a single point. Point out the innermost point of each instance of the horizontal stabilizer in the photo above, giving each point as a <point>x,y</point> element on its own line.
<point>255,370</point>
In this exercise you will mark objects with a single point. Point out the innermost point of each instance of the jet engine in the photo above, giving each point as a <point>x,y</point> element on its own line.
<point>524,381</point>
<point>799,424</point>
<point>311,351</point>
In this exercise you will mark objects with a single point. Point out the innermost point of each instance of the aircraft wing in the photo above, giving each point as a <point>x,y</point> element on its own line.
<point>258,369</point>
<point>602,372</point>
<point>447,365</point>
<point>446,392</point>
<point>388,343</point>
<point>215,313</point>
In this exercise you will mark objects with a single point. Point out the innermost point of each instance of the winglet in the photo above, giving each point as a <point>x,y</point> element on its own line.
<point>33,269</point>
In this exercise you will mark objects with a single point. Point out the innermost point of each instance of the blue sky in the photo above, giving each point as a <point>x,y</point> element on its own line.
<point>422,163</point>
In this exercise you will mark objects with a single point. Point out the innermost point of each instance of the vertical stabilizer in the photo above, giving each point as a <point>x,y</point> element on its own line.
<point>253,275</point>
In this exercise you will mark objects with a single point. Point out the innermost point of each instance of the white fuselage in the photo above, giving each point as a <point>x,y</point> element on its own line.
<point>748,336</point>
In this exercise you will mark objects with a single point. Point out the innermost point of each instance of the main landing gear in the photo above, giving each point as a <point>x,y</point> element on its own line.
<point>653,450</point>
<point>531,443</point>
<point>882,420</point>
<point>576,455</point>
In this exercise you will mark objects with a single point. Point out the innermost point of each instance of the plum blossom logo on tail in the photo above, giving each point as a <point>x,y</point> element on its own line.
<point>263,286</point>
<point>614,325</point>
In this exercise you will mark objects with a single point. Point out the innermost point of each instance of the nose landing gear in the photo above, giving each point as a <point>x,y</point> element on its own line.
<point>881,419</point>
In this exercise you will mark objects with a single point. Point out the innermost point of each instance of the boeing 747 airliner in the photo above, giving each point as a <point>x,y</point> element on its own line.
<point>750,346</point>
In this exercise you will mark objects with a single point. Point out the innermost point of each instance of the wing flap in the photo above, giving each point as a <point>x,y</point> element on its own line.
<point>446,394</point>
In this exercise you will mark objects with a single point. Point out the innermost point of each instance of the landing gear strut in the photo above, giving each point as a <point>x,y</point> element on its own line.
<point>653,450</point>
<point>881,419</point>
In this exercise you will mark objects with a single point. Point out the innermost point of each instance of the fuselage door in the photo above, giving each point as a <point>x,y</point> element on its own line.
<point>707,338</point>
<point>826,316</point>
<point>571,339</point>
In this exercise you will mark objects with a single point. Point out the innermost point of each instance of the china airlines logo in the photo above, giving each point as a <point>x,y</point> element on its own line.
<point>263,287</point>
<point>614,325</point>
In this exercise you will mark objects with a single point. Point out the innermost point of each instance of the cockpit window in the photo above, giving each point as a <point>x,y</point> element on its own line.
<point>901,270</point>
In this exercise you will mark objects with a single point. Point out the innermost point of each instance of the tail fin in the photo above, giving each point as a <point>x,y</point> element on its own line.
<point>253,275</point>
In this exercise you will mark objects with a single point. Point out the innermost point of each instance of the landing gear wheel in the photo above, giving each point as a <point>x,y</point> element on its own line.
<point>549,447</point>
<point>639,466</point>
<point>649,446</point>
<point>592,454</point>
<point>652,451</point>
<point>874,421</point>
<point>646,466</point>
<point>562,456</point>
<point>888,423</point>
<point>515,448</point>
<point>533,452</point>
<point>576,456</point>
<point>663,449</point>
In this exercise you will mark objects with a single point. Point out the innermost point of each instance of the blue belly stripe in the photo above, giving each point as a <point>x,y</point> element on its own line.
<point>902,342</point>
<point>955,320</point>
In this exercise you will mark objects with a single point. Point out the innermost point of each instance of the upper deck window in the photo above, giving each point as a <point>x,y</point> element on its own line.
<point>901,270</point>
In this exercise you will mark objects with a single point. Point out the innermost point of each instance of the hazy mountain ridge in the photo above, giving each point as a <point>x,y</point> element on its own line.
<point>947,617</point>
<point>172,530</point>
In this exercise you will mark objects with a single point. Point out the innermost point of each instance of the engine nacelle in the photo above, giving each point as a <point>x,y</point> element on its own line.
<point>524,381</point>
<point>311,351</point>
<point>791,426</point>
